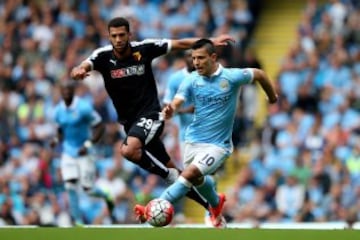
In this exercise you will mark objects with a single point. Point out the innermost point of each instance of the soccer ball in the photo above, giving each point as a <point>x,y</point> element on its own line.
<point>159,212</point>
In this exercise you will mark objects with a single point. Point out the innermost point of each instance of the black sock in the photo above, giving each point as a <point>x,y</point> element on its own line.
<point>152,165</point>
<point>196,196</point>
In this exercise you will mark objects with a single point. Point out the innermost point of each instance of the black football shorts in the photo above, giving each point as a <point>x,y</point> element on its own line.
<point>148,129</point>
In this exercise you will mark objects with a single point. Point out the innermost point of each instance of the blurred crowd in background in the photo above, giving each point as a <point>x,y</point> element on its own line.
<point>303,165</point>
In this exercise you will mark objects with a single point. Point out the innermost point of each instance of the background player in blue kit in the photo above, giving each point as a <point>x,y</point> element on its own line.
<point>214,91</point>
<point>79,126</point>
<point>127,72</point>
<point>185,113</point>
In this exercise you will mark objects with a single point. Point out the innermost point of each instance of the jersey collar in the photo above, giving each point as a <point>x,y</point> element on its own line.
<point>218,71</point>
<point>73,103</point>
<point>185,71</point>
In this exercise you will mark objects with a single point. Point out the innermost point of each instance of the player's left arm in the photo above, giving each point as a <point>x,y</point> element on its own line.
<point>261,77</point>
<point>186,43</point>
<point>188,109</point>
<point>98,129</point>
<point>98,132</point>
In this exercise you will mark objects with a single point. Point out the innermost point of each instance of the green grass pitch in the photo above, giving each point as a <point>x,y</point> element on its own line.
<point>172,234</point>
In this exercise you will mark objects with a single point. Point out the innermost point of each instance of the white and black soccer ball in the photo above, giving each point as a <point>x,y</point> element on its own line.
<point>159,212</point>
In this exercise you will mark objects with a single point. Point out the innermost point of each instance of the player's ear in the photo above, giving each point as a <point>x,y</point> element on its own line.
<point>213,56</point>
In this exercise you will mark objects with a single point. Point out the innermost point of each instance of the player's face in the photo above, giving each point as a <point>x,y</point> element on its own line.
<point>67,92</point>
<point>119,38</point>
<point>204,63</point>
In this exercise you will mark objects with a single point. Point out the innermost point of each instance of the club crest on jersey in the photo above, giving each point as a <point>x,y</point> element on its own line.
<point>137,56</point>
<point>224,85</point>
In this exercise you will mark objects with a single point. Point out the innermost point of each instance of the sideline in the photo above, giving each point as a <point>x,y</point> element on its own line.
<point>315,226</point>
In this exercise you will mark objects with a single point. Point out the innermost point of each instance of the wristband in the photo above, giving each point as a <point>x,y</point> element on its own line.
<point>88,144</point>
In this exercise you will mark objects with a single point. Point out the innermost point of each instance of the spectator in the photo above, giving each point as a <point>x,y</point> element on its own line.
<point>290,198</point>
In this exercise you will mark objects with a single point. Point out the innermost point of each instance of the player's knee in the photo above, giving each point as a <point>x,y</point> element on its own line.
<point>87,189</point>
<point>131,153</point>
<point>71,185</point>
<point>127,151</point>
<point>198,181</point>
<point>193,174</point>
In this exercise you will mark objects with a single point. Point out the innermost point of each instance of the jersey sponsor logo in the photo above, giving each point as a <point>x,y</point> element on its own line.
<point>198,84</point>
<point>213,100</point>
<point>128,71</point>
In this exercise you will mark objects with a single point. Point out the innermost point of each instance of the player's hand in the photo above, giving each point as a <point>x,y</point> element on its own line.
<point>54,142</point>
<point>167,111</point>
<point>85,148</point>
<point>83,151</point>
<point>78,73</point>
<point>223,40</point>
<point>273,99</point>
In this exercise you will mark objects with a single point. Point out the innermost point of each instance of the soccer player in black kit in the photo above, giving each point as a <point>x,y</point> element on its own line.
<point>126,69</point>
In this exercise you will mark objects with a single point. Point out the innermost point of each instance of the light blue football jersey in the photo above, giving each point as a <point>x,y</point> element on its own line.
<point>75,122</point>
<point>215,99</point>
<point>172,87</point>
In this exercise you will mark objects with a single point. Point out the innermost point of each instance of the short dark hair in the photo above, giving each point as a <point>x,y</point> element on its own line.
<point>204,42</point>
<point>119,22</point>
<point>68,83</point>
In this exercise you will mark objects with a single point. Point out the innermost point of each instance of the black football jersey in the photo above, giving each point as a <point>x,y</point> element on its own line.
<point>130,82</point>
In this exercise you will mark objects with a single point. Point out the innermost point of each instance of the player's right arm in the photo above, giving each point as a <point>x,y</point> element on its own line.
<point>81,71</point>
<point>186,43</point>
<point>171,108</point>
<point>97,127</point>
<point>59,133</point>
<point>58,138</point>
<point>188,109</point>
<point>93,62</point>
<point>183,93</point>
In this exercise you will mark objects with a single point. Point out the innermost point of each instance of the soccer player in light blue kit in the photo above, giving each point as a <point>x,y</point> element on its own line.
<point>214,91</point>
<point>79,126</point>
<point>185,113</point>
